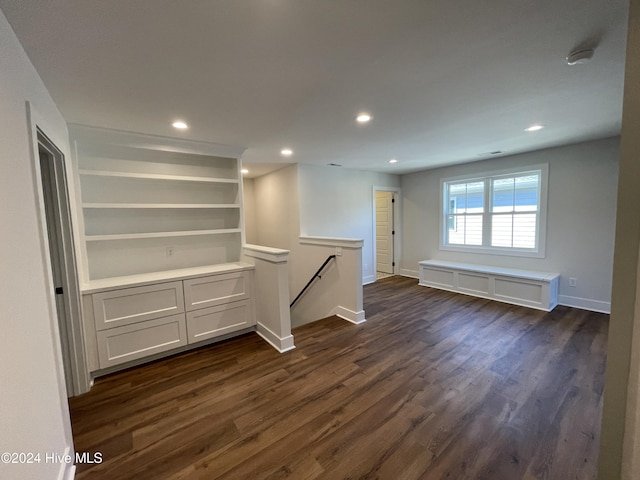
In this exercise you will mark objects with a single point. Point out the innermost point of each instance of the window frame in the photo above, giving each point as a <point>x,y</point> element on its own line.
<point>541,225</point>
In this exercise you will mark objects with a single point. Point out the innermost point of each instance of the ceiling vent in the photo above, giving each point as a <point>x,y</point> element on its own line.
<point>486,154</point>
<point>578,57</point>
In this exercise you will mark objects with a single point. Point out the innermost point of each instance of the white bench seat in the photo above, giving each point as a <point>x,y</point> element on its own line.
<point>520,287</point>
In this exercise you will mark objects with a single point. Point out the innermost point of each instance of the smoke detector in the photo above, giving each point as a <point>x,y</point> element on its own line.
<point>578,57</point>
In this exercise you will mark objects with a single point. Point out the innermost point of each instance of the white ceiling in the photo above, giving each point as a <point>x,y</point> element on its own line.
<point>446,81</point>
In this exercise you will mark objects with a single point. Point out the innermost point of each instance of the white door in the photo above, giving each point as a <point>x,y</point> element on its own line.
<point>384,232</point>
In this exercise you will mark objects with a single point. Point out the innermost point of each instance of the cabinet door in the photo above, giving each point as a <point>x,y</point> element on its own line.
<point>131,342</point>
<point>126,306</point>
<point>215,321</point>
<point>216,290</point>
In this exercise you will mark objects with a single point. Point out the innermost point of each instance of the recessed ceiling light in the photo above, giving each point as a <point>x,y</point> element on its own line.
<point>287,152</point>
<point>534,128</point>
<point>180,125</point>
<point>363,118</point>
<point>393,160</point>
<point>244,171</point>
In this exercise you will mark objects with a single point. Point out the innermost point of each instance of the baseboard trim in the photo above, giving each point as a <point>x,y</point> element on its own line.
<point>368,279</point>
<point>409,273</point>
<point>67,470</point>
<point>280,344</point>
<point>585,304</point>
<point>350,315</point>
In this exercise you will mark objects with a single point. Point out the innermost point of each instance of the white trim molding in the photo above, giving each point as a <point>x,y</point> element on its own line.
<point>487,179</point>
<point>154,142</point>
<point>369,279</point>
<point>397,227</point>
<point>332,242</point>
<point>269,254</point>
<point>281,344</point>
<point>585,304</point>
<point>76,353</point>
<point>67,470</point>
<point>350,315</point>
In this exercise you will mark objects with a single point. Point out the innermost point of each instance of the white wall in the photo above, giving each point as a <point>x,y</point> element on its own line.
<point>621,408</point>
<point>338,202</point>
<point>249,205</point>
<point>276,218</point>
<point>34,413</point>
<point>338,291</point>
<point>277,222</point>
<point>580,223</point>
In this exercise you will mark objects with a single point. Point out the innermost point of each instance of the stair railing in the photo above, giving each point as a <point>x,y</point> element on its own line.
<point>315,275</point>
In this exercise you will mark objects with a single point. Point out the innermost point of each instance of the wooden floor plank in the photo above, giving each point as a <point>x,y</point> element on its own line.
<point>434,385</point>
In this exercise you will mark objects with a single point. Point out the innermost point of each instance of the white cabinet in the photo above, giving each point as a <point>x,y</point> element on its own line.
<point>215,321</point>
<point>217,305</point>
<point>162,229</point>
<point>115,308</point>
<point>216,290</point>
<point>520,287</point>
<point>135,341</point>
<point>134,322</point>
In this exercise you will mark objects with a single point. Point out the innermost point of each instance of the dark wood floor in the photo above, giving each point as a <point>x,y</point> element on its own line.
<point>434,385</point>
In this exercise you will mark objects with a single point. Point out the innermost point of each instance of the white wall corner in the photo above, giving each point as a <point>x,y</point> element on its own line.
<point>280,344</point>
<point>350,315</point>
<point>409,273</point>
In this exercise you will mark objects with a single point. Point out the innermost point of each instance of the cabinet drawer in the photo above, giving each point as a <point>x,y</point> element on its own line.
<point>216,290</point>
<point>131,342</point>
<point>131,305</point>
<point>214,321</point>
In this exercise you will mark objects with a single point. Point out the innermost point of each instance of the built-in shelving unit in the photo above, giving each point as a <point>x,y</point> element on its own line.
<point>161,236</point>
<point>151,204</point>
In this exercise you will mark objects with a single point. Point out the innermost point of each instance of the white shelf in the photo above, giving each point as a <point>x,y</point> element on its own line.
<point>161,205</point>
<point>141,197</point>
<point>137,236</point>
<point>156,176</point>
<point>162,276</point>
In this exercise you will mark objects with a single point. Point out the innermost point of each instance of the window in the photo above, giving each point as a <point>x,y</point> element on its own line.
<point>500,212</point>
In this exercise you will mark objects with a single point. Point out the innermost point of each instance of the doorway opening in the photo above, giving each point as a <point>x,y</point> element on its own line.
<point>63,267</point>
<point>385,231</point>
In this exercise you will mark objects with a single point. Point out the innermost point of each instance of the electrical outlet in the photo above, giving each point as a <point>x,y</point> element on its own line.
<point>339,251</point>
<point>170,251</point>
<point>573,282</point>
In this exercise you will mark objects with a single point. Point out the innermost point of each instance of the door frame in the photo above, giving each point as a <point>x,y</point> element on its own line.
<point>397,227</point>
<point>81,379</point>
